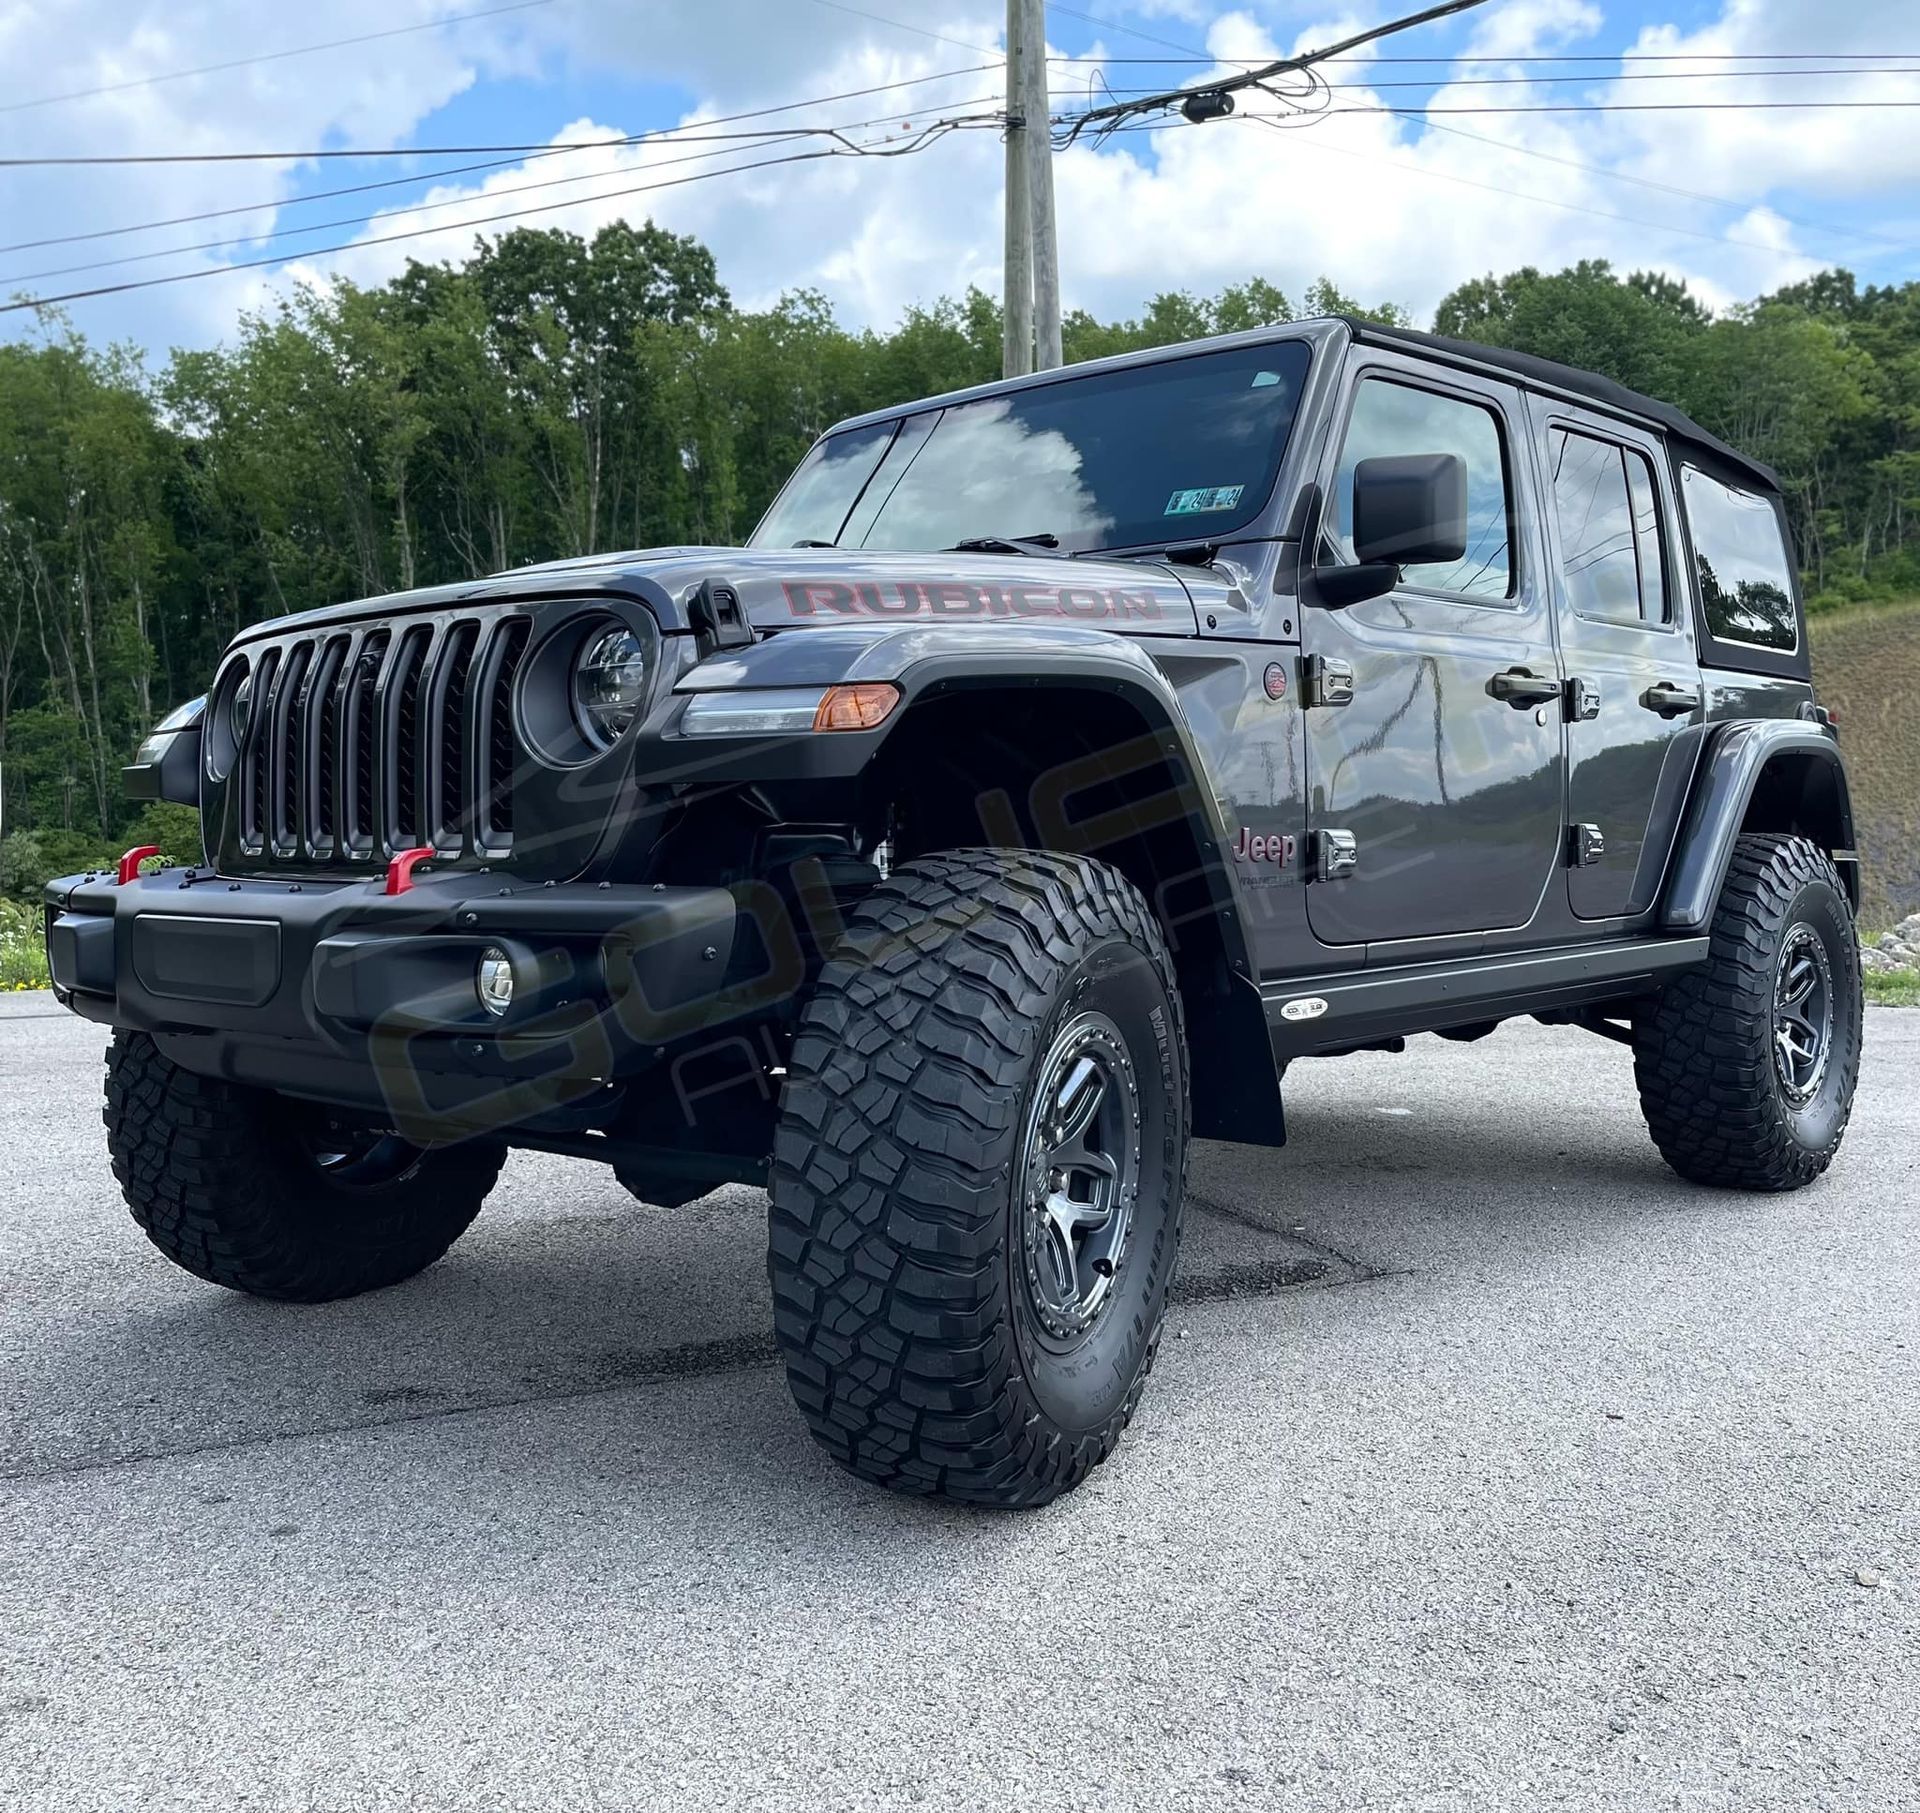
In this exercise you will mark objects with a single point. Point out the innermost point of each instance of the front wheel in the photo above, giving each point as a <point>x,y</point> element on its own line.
<point>977,1180</point>
<point>276,1197</point>
<point>1746,1066</point>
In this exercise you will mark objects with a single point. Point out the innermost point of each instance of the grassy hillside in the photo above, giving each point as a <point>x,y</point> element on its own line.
<point>1866,667</point>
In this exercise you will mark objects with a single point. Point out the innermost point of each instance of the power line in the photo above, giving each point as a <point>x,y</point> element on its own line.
<point>1146,37</point>
<point>1756,57</point>
<point>1633,107</point>
<point>1669,75</point>
<point>1303,116</point>
<point>1771,56</point>
<point>272,56</point>
<point>840,6</point>
<point>927,137</point>
<point>1645,182</point>
<point>544,146</point>
<point>1473,183</point>
<point>430,176</point>
<point>477,198</point>
<point>1217,97</point>
<point>1656,75</point>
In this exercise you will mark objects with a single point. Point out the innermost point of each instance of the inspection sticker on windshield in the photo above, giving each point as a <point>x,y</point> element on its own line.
<point>1208,497</point>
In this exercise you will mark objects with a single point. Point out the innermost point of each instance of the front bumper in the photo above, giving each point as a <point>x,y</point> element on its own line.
<point>341,992</point>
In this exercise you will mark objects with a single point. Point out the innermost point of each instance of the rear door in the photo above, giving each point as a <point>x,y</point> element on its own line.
<point>1633,683</point>
<point>1444,766</point>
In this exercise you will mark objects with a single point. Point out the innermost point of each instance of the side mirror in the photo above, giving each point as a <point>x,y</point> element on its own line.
<point>1410,509</point>
<point>167,764</point>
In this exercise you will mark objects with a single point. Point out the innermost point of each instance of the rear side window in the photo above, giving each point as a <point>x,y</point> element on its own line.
<point>1391,418</point>
<point>1746,578</point>
<point>1609,517</point>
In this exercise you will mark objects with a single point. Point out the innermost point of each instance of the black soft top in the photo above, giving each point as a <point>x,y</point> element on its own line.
<point>1575,382</point>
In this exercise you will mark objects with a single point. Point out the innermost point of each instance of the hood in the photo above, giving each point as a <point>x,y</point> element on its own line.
<point>797,588</point>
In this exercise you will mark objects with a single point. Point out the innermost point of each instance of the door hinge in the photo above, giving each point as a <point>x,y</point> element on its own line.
<point>1336,854</point>
<point>1585,846</point>
<point>1325,681</point>
<point>1583,700</point>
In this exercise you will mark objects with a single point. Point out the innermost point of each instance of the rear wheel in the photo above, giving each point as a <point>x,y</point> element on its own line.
<point>1747,1066</point>
<point>276,1197</point>
<point>977,1181</point>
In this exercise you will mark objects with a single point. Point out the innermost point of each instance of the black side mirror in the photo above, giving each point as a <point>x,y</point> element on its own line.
<point>1410,509</point>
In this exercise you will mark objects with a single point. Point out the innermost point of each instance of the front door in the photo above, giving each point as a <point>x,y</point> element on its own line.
<point>1445,766</point>
<point>1632,680</point>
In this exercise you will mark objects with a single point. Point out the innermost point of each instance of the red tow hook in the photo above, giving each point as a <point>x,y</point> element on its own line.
<point>130,863</point>
<point>400,870</point>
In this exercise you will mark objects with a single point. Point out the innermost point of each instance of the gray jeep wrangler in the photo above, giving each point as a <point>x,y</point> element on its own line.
<point>1059,761</point>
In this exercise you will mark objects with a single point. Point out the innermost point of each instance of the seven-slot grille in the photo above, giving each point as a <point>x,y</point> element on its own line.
<point>364,742</point>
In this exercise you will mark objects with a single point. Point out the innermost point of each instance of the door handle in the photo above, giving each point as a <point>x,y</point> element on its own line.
<point>1521,688</point>
<point>1671,701</point>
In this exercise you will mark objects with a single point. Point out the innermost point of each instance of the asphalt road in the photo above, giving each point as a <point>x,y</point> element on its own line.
<point>1490,1467</point>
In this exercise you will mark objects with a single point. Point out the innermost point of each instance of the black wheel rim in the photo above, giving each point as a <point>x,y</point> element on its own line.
<point>1080,1175</point>
<point>1802,1014</point>
<point>356,1157</point>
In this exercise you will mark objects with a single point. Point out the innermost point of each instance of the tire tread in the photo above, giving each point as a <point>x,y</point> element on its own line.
<point>899,1122</point>
<point>216,1185</point>
<point>1702,1060</point>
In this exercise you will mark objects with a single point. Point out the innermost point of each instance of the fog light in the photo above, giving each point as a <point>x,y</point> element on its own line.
<point>494,981</point>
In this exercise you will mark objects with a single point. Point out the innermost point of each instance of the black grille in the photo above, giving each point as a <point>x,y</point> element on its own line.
<point>496,800</point>
<point>401,765</point>
<point>363,744</point>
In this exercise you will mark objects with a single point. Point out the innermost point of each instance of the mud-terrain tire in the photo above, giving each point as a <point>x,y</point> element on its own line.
<point>988,1016</point>
<point>263,1194</point>
<point>1726,1100</point>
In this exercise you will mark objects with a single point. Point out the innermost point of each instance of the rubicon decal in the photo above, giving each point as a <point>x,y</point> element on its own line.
<point>967,598</point>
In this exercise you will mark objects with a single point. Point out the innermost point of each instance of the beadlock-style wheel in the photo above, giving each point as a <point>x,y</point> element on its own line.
<point>1081,1166</point>
<point>1802,1014</point>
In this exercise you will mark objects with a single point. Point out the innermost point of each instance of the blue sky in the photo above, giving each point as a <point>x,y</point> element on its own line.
<point>1736,199</point>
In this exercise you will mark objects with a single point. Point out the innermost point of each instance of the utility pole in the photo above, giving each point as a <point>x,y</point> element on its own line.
<point>1046,243</point>
<point>1031,308</point>
<point>1017,283</point>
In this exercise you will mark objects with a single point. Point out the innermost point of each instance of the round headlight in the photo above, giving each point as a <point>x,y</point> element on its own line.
<point>610,683</point>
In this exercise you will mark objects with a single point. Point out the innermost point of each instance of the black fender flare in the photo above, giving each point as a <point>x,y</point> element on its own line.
<point>1736,761</point>
<point>928,661</point>
<point>1238,1100</point>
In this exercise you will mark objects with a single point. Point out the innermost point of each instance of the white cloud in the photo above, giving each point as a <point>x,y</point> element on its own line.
<point>1386,206</point>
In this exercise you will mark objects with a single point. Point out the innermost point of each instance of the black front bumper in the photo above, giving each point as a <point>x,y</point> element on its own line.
<point>341,992</point>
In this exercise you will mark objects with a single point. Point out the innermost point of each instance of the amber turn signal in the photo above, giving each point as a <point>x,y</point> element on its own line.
<point>856,707</point>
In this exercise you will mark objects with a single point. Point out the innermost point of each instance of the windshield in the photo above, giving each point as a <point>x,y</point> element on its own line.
<point>1181,451</point>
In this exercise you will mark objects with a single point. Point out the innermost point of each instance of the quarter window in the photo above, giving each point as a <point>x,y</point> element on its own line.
<point>1391,418</point>
<point>1609,515</point>
<point>1746,580</point>
<point>816,501</point>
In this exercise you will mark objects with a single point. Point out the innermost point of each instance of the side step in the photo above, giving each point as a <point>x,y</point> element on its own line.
<point>1309,1014</point>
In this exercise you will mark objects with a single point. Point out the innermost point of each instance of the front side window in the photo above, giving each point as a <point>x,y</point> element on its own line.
<point>1609,517</point>
<point>1746,578</point>
<point>1391,418</point>
<point>1184,450</point>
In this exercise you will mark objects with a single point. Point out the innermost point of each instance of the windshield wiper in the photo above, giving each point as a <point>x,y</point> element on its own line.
<point>1191,553</point>
<point>807,541</point>
<point>1005,544</point>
